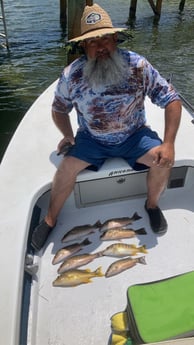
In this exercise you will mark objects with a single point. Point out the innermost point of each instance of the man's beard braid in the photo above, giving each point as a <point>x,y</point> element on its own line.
<point>109,71</point>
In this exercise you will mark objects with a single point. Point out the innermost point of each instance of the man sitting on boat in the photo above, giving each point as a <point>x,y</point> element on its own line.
<point>107,86</point>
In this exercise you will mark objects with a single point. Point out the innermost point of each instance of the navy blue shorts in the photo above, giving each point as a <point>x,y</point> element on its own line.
<point>90,150</point>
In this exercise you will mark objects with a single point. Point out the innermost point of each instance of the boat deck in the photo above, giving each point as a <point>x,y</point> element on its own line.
<point>81,315</point>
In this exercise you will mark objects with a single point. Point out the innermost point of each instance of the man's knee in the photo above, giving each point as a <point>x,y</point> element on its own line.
<point>146,159</point>
<point>72,165</point>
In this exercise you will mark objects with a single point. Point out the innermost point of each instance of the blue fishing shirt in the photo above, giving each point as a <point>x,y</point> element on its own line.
<point>111,113</point>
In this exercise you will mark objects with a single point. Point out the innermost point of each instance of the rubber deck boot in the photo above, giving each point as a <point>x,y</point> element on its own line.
<point>40,235</point>
<point>157,221</point>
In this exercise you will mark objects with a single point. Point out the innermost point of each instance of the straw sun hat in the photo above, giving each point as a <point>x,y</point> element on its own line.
<point>95,22</point>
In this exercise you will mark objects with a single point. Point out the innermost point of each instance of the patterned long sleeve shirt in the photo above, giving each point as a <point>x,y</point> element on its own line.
<point>112,113</point>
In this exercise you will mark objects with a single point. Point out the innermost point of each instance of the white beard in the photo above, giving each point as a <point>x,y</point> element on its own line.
<point>109,71</point>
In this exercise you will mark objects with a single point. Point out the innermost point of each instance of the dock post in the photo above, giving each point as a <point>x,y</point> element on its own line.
<point>75,11</point>
<point>132,9</point>
<point>181,5</point>
<point>4,33</point>
<point>63,13</point>
<point>156,8</point>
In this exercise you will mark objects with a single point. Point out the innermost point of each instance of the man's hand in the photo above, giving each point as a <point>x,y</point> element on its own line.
<point>164,155</point>
<point>64,145</point>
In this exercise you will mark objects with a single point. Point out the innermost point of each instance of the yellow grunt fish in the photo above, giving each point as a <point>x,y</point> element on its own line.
<point>67,251</point>
<point>122,265</point>
<point>76,261</point>
<point>122,249</point>
<point>76,277</point>
<point>120,233</point>
<point>119,222</point>
<point>80,231</point>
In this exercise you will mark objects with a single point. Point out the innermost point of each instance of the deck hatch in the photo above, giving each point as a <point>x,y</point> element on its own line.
<point>124,186</point>
<point>177,177</point>
<point>110,189</point>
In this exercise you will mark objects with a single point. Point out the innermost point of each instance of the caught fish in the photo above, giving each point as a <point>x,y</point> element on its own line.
<point>120,233</point>
<point>119,222</point>
<point>76,277</point>
<point>122,265</point>
<point>77,261</point>
<point>122,249</point>
<point>80,231</point>
<point>67,251</point>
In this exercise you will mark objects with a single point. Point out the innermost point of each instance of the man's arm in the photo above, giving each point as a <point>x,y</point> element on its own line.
<point>62,121</point>
<point>172,121</point>
<point>165,153</point>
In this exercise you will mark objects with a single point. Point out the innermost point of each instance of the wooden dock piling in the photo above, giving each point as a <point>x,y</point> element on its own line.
<point>156,8</point>
<point>132,9</point>
<point>63,13</point>
<point>70,15</point>
<point>181,5</point>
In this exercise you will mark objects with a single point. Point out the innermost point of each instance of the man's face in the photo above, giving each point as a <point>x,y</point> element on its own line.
<point>101,47</point>
<point>104,65</point>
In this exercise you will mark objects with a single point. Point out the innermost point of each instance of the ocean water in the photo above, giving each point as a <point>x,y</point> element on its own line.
<point>37,53</point>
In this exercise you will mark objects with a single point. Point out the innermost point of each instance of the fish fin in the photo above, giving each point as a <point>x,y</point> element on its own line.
<point>143,249</point>
<point>87,280</point>
<point>99,254</point>
<point>88,270</point>
<point>86,242</point>
<point>83,281</point>
<point>141,231</point>
<point>141,260</point>
<point>98,224</point>
<point>136,216</point>
<point>98,272</point>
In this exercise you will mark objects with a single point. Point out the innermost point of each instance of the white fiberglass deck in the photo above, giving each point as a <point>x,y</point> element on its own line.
<point>81,315</point>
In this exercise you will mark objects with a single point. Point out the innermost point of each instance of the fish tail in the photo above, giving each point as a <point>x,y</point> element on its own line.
<point>141,231</point>
<point>98,272</point>
<point>141,260</point>
<point>136,216</point>
<point>143,249</point>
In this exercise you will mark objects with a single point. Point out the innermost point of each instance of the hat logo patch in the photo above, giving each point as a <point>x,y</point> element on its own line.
<point>93,18</point>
